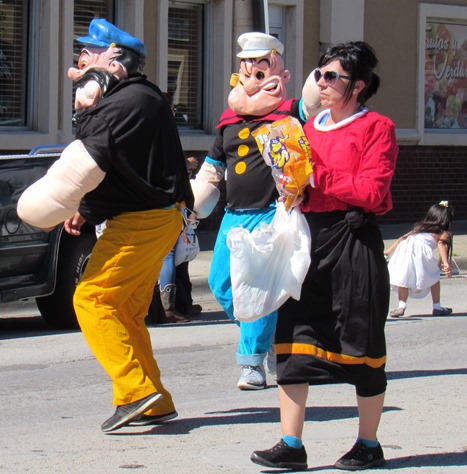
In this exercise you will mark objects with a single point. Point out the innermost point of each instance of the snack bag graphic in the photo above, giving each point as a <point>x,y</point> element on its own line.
<point>286,150</point>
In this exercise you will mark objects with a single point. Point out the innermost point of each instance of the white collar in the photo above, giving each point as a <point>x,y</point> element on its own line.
<point>334,126</point>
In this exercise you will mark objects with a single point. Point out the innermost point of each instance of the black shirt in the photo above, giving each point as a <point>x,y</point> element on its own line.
<point>132,136</point>
<point>249,180</point>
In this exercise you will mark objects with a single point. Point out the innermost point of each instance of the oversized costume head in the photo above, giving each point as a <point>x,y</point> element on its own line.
<point>109,55</point>
<point>260,84</point>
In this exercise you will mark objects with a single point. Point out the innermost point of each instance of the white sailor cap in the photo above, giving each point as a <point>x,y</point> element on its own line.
<point>256,45</point>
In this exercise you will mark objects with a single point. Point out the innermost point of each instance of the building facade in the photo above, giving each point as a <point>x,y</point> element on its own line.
<point>422,47</point>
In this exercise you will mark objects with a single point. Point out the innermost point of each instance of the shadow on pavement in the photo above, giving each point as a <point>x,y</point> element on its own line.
<point>271,415</point>
<point>27,326</point>
<point>421,317</point>
<point>206,317</point>
<point>428,460</point>
<point>243,416</point>
<point>416,461</point>
<point>410,374</point>
<point>35,326</point>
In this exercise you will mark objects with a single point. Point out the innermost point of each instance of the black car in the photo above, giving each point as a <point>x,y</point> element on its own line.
<point>33,263</point>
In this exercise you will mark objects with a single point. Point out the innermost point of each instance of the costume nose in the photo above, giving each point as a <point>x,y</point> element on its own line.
<point>251,85</point>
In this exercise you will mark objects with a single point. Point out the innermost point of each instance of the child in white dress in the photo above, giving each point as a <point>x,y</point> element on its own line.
<point>414,265</point>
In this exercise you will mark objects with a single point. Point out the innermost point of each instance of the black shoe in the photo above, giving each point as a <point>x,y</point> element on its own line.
<point>361,457</point>
<point>442,312</point>
<point>281,456</point>
<point>144,420</point>
<point>125,413</point>
<point>195,309</point>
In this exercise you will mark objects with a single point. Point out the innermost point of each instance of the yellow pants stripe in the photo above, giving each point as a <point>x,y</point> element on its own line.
<point>112,300</point>
<point>309,349</point>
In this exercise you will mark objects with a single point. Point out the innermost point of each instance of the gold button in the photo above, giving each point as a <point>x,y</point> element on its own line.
<point>240,167</point>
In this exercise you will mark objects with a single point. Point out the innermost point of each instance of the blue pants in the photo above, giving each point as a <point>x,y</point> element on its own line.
<point>167,276</point>
<point>256,337</point>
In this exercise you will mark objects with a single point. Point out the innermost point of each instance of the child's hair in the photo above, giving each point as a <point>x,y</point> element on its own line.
<point>438,220</point>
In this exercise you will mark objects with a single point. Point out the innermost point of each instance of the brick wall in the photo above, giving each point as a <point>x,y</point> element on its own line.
<point>424,175</point>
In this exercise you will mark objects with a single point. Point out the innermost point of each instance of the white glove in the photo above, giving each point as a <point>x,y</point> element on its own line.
<point>205,189</point>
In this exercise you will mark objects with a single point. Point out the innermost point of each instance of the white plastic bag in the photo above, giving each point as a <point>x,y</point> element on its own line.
<point>187,246</point>
<point>269,264</point>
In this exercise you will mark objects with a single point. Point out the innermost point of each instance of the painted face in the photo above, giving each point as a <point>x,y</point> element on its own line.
<point>261,86</point>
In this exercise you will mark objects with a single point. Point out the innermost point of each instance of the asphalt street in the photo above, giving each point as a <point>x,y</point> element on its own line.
<point>54,397</point>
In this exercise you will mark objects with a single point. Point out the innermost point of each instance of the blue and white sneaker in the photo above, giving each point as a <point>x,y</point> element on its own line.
<point>252,378</point>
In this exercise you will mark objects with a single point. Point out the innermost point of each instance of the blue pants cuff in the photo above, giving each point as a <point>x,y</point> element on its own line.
<point>250,359</point>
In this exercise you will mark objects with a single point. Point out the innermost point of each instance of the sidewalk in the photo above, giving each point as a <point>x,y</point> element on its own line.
<point>390,234</point>
<point>199,271</point>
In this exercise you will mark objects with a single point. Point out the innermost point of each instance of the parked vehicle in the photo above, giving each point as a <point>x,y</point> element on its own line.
<point>34,263</point>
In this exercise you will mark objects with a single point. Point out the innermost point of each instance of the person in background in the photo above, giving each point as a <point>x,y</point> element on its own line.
<point>258,97</point>
<point>126,167</point>
<point>184,299</point>
<point>335,332</point>
<point>174,283</point>
<point>172,301</point>
<point>414,266</point>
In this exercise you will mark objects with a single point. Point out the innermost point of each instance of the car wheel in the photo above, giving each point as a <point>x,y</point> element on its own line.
<point>74,253</point>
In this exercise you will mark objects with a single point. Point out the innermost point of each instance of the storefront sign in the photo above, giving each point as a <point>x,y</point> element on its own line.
<point>446,75</point>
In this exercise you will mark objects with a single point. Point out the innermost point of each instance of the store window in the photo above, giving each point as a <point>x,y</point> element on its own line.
<point>84,12</point>
<point>13,62</point>
<point>186,62</point>
<point>442,75</point>
<point>276,22</point>
<point>445,98</point>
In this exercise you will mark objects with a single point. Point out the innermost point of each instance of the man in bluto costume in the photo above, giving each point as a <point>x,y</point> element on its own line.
<point>126,167</point>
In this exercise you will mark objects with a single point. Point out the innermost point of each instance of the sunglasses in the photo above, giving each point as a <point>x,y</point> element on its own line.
<point>330,77</point>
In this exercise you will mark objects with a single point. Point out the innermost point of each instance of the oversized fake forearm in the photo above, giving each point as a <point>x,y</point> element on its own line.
<point>57,195</point>
<point>205,188</point>
<point>311,103</point>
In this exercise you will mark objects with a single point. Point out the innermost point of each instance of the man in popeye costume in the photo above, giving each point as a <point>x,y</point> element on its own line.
<point>258,97</point>
<point>126,167</point>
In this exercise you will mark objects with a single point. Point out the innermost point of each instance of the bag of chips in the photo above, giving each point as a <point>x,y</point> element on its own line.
<point>286,150</point>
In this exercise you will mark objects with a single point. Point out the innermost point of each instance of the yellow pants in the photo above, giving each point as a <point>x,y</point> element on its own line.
<point>112,300</point>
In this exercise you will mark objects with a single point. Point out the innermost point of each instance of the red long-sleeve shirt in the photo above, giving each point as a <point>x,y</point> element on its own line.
<point>353,165</point>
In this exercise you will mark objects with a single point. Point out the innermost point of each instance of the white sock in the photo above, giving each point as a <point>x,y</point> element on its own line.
<point>402,305</point>
<point>437,306</point>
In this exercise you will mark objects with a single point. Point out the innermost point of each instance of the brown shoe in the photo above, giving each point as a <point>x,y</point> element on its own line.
<point>168,303</point>
<point>172,317</point>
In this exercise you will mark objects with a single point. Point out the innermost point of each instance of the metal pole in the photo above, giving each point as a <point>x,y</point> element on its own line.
<point>266,16</point>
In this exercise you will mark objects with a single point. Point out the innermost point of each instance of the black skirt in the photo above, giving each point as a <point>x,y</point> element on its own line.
<point>335,333</point>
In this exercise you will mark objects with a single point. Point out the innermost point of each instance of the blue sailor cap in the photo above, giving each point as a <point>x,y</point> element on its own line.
<point>103,34</point>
